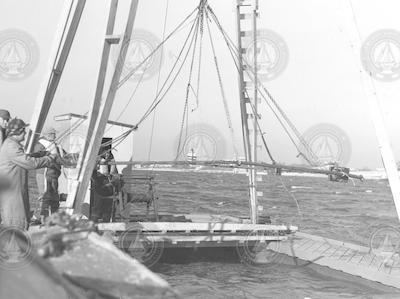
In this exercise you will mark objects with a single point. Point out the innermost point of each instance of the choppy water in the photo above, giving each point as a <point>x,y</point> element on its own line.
<point>335,210</point>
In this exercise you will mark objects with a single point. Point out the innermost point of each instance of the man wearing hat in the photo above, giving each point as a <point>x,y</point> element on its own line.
<point>47,180</point>
<point>14,164</point>
<point>4,118</point>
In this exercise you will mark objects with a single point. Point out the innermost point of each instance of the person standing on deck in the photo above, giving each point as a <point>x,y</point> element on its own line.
<point>14,165</point>
<point>102,186</point>
<point>47,180</point>
<point>4,118</point>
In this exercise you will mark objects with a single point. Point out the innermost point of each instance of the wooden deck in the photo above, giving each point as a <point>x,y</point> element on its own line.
<point>359,261</point>
<point>218,231</point>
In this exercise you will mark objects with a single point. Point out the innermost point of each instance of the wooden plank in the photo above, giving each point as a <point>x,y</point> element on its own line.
<point>190,226</point>
<point>100,113</point>
<point>359,248</point>
<point>174,239</point>
<point>378,120</point>
<point>69,116</point>
<point>340,256</point>
<point>95,108</point>
<point>105,109</point>
<point>55,69</point>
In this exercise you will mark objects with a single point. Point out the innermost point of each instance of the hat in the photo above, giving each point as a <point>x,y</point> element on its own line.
<point>15,126</point>
<point>49,130</point>
<point>4,114</point>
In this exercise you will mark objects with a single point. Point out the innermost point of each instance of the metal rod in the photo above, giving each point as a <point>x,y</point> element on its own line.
<point>238,164</point>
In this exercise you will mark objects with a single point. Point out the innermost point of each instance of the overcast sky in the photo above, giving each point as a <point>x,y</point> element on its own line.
<point>321,83</point>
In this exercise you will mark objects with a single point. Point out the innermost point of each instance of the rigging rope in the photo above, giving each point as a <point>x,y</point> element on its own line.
<point>130,98</point>
<point>225,102</point>
<point>130,74</point>
<point>70,130</point>
<point>257,122</point>
<point>158,82</point>
<point>186,111</point>
<point>292,196</point>
<point>233,50</point>
<point>200,53</point>
<point>157,101</point>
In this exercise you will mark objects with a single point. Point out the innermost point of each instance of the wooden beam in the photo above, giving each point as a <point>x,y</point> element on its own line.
<point>191,226</point>
<point>352,259</point>
<point>182,238</point>
<point>378,120</point>
<point>70,116</point>
<point>95,106</point>
<point>102,107</point>
<point>56,64</point>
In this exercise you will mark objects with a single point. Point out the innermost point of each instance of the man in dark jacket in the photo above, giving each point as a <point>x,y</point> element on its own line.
<point>4,118</point>
<point>14,165</point>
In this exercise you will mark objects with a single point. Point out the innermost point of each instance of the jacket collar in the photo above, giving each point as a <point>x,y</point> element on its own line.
<point>13,140</point>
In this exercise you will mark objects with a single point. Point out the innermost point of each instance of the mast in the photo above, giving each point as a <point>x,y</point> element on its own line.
<point>102,102</point>
<point>64,38</point>
<point>378,120</point>
<point>246,11</point>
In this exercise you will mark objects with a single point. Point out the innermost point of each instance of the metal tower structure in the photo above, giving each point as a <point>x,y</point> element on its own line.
<point>247,14</point>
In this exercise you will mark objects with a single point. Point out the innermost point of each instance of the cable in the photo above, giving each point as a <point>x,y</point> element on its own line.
<point>158,82</point>
<point>227,113</point>
<point>156,102</point>
<point>233,49</point>
<point>292,196</point>
<point>186,111</point>
<point>126,78</point>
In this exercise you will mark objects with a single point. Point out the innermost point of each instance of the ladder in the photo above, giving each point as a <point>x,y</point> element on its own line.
<point>247,14</point>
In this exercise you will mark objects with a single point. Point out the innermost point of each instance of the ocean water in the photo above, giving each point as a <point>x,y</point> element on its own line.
<point>343,211</point>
